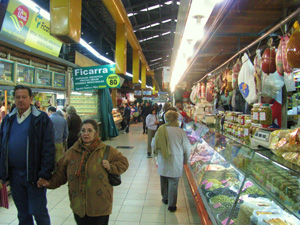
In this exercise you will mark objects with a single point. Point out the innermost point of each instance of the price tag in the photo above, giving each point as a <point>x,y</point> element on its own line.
<point>224,222</point>
<point>209,185</point>
<point>204,182</point>
<point>217,205</point>
<point>113,80</point>
<point>247,185</point>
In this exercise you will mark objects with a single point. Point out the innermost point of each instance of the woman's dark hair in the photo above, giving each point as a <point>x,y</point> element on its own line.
<point>18,87</point>
<point>153,109</point>
<point>91,121</point>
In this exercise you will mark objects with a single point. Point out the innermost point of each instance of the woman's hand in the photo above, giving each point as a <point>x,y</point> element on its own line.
<point>105,164</point>
<point>42,183</point>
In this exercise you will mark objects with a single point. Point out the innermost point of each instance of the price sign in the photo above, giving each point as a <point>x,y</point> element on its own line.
<point>113,80</point>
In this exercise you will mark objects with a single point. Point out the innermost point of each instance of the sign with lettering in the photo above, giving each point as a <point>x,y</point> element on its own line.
<point>95,77</point>
<point>27,26</point>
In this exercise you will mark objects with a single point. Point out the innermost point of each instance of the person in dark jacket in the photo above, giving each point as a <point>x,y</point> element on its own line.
<point>126,116</point>
<point>145,112</point>
<point>27,151</point>
<point>74,125</point>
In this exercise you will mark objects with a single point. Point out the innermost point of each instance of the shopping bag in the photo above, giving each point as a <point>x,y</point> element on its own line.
<point>4,197</point>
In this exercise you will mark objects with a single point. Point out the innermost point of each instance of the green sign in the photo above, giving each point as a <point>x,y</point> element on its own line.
<point>95,77</point>
<point>23,25</point>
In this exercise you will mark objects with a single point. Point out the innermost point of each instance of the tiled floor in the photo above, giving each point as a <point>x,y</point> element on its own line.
<point>136,201</point>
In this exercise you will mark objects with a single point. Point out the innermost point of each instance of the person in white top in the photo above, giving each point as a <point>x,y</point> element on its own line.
<point>151,124</point>
<point>172,148</point>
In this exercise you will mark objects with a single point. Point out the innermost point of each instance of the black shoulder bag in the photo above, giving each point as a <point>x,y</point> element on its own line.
<point>114,180</point>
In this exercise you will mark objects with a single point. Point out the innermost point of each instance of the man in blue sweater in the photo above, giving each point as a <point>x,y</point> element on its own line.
<point>26,154</point>
<point>60,131</point>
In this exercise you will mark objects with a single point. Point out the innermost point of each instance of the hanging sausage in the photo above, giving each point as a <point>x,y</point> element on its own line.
<point>279,58</point>
<point>257,71</point>
<point>286,67</point>
<point>235,73</point>
<point>268,64</point>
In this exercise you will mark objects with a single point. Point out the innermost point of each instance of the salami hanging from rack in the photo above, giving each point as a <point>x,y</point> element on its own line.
<point>279,58</point>
<point>235,73</point>
<point>286,66</point>
<point>268,64</point>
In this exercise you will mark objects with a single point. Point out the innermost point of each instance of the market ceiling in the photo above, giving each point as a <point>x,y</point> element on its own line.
<point>239,24</point>
<point>154,28</point>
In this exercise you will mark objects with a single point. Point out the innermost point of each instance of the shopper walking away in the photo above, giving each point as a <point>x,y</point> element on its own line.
<point>60,131</point>
<point>145,112</point>
<point>85,170</point>
<point>172,148</point>
<point>26,154</point>
<point>151,124</point>
<point>74,124</point>
<point>126,116</point>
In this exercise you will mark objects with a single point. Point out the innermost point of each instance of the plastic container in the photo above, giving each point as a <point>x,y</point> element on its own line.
<point>255,113</point>
<point>265,115</point>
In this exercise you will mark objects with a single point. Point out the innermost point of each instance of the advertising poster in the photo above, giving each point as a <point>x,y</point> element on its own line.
<point>95,77</point>
<point>26,26</point>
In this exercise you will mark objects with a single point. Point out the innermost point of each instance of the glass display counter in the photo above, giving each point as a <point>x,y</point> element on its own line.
<point>117,116</point>
<point>243,185</point>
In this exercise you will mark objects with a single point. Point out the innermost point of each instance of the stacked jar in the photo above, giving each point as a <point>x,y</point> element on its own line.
<point>255,113</point>
<point>247,128</point>
<point>265,115</point>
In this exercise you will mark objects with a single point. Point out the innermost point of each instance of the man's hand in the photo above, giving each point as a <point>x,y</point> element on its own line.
<point>42,183</point>
<point>156,122</point>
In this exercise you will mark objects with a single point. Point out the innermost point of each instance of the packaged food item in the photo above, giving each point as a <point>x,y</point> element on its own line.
<point>286,67</point>
<point>293,157</point>
<point>254,113</point>
<point>265,115</point>
<point>249,205</point>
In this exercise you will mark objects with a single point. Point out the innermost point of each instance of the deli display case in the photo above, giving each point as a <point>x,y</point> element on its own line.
<point>239,184</point>
<point>117,117</point>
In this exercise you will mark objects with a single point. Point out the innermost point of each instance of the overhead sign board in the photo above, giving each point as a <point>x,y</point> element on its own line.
<point>26,26</point>
<point>95,77</point>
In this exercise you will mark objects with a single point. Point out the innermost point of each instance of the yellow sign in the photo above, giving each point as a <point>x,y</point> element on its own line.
<point>113,80</point>
<point>23,25</point>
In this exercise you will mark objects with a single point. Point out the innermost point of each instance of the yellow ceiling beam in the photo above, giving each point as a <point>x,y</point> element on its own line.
<point>118,12</point>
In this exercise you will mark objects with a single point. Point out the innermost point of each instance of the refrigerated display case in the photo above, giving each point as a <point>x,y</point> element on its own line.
<point>242,185</point>
<point>117,117</point>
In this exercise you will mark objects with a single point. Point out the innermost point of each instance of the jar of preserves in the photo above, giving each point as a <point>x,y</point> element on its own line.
<point>241,119</point>
<point>247,117</point>
<point>237,117</point>
<point>254,113</point>
<point>265,115</point>
<point>240,132</point>
<point>247,128</point>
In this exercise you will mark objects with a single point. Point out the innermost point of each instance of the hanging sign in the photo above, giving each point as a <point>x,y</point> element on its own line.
<point>29,27</point>
<point>95,77</point>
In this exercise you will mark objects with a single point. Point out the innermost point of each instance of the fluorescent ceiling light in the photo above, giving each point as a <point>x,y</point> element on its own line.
<point>198,8</point>
<point>151,8</point>
<point>75,93</point>
<point>131,14</point>
<point>168,3</point>
<point>163,34</point>
<point>166,21</point>
<point>149,26</point>
<point>153,60</point>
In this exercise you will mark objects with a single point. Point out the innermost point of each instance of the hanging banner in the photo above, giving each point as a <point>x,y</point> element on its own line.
<point>26,26</point>
<point>95,77</point>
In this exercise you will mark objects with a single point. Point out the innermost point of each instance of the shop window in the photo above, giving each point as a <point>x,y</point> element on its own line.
<point>59,80</point>
<point>6,70</point>
<point>44,77</point>
<point>25,74</point>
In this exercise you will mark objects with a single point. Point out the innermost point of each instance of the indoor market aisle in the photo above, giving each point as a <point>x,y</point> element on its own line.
<point>137,201</point>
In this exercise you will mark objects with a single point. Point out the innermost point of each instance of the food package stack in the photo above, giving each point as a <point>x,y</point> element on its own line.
<point>288,146</point>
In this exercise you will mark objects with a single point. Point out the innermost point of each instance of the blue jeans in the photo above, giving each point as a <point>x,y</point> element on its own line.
<point>29,199</point>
